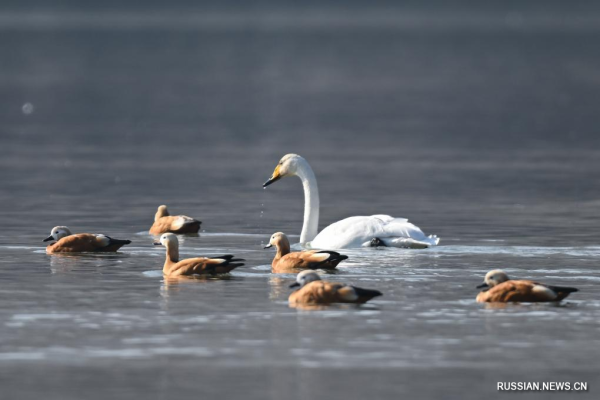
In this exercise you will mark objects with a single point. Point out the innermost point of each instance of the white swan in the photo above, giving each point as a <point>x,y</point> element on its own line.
<point>375,230</point>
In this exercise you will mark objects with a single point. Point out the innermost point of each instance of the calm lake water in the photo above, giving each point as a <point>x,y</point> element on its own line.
<point>479,126</point>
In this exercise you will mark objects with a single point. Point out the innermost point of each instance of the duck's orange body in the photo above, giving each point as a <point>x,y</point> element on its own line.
<point>523,292</point>
<point>164,222</point>
<point>314,291</point>
<point>194,266</point>
<point>286,261</point>
<point>499,288</point>
<point>86,242</point>
<point>323,292</point>
<point>66,242</point>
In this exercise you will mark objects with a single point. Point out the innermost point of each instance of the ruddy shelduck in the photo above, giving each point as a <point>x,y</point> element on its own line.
<point>286,261</point>
<point>164,222</point>
<point>498,287</point>
<point>194,266</point>
<point>315,291</point>
<point>66,242</point>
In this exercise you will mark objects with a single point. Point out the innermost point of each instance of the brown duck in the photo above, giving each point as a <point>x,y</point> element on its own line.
<point>499,288</point>
<point>194,266</point>
<point>286,261</point>
<point>315,291</point>
<point>164,222</point>
<point>66,242</point>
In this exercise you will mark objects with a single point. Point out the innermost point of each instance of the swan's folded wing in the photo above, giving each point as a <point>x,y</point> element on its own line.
<point>358,231</point>
<point>386,219</point>
<point>401,233</point>
<point>350,232</point>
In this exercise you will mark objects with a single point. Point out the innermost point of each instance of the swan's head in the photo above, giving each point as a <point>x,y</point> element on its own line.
<point>277,240</point>
<point>167,240</point>
<point>493,278</point>
<point>57,233</point>
<point>305,277</point>
<point>287,166</point>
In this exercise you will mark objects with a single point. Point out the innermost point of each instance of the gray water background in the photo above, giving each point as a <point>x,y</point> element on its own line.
<point>477,124</point>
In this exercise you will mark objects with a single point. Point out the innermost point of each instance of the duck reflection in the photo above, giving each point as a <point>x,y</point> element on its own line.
<point>173,284</point>
<point>68,262</point>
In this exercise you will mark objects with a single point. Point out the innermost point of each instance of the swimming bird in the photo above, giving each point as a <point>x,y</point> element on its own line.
<point>164,222</point>
<point>374,230</point>
<point>285,261</point>
<point>66,242</point>
<point>498,287</point>
<point>315,291</point>
<point>194,266</point>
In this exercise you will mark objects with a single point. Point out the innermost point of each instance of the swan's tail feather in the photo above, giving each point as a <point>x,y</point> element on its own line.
<point>434,239</point>
<point>411,243</point>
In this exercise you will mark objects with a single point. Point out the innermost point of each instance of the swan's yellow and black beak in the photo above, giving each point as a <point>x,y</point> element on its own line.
<point>274,178</point>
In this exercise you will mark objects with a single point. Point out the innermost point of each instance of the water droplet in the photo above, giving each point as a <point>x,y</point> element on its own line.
<point>27,108</point>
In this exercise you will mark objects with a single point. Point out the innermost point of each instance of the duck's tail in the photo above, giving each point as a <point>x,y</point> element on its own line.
<point>365,295</point>
<point>118,242</point>
<point>334,259</point>
<point>229,263</point>
<point>562,291</point>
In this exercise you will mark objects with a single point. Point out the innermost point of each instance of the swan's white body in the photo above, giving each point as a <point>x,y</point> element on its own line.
<point>352,231</point>
<point>359,231</point>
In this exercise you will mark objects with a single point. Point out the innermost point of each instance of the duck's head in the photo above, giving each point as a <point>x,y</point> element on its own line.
<point>167,240</point>
<point>161,212</point>
<point>287,166</point>
<point>57,233</point>
<point>277,240</point>
<point>305,277</point>
<point>493,278</point>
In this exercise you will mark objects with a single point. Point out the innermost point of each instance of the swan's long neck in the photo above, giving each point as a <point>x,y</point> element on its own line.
<point>310,227</point>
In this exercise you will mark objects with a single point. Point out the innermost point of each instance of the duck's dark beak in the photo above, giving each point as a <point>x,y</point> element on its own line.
<point>295,284</point>
<point>268,246</point>
<point>157,243</point>
<point>49,238</point>
<point>483,286</point>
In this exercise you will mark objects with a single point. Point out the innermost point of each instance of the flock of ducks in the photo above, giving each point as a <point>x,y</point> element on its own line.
<point>360,231</point>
